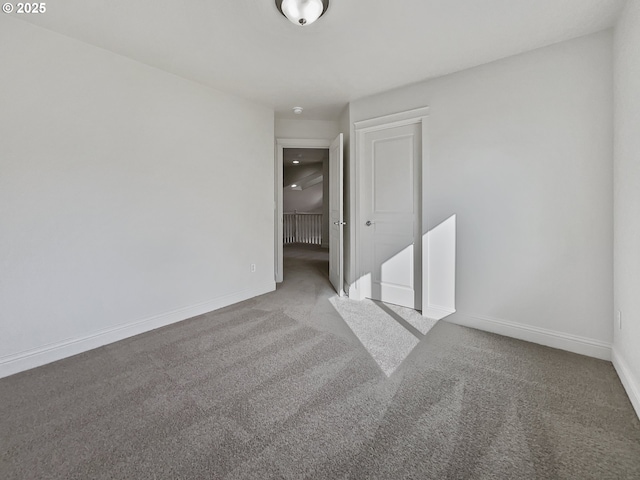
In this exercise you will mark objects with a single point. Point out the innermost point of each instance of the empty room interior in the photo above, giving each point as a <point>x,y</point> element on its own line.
<point>320,239</point>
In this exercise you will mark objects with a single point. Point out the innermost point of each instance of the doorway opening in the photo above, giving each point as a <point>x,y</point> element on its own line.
<point>322,227</point>
<point>305,207</point>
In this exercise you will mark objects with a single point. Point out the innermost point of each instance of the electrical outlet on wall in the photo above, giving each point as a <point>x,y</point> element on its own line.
<point>253,268</point>
<point>619,319</point>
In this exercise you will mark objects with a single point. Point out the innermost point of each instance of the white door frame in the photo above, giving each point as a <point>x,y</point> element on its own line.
<point>281,144</point>
<point>420,116</point>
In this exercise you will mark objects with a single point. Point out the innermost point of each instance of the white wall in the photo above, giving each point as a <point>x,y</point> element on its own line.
<point>308,200</point>
<point>324,129</point>
<point>627,199</point>
<point>439,246</point>
<point>521,151</point>
<point>129,198</point>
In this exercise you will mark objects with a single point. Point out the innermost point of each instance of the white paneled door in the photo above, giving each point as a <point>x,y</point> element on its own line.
<point>336,219</point>
<point>390,213</point>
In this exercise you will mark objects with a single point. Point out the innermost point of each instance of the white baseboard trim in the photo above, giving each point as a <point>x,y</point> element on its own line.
<point>436,312</point>
<point>630,384</point>
<point>36,357</point>
<point>542,336</point>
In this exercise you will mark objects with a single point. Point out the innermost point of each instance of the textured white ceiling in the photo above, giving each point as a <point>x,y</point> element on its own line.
<point>360,47</point>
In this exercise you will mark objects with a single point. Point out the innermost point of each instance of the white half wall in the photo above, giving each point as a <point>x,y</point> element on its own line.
<point>120,207</point>
<point>520,150</point>
<point>626,339</point>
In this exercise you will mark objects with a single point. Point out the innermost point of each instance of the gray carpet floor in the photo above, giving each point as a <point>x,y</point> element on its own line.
<point>281,387</point>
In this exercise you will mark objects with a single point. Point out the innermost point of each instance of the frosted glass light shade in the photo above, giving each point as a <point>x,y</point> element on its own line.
<point>302,12</point>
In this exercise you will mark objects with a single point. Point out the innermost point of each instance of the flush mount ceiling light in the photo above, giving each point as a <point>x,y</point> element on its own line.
<point>302,12</point>
<point>296,161</point>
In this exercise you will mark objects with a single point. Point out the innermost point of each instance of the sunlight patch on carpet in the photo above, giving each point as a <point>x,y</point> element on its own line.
<point>388,332</point>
